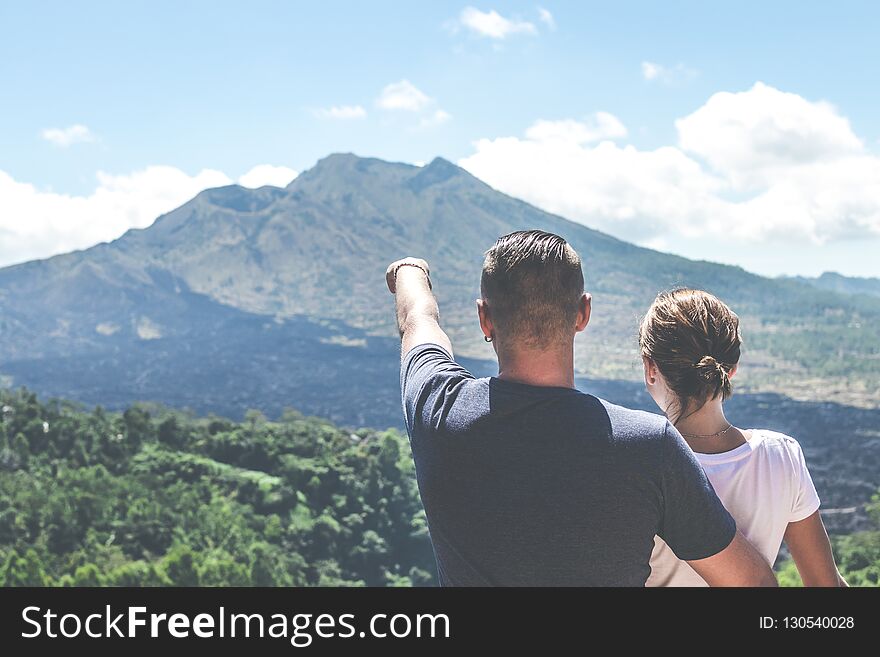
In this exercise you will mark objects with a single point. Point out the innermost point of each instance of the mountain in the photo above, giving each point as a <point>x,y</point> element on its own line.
<point>277,284</point>
<point>844,284</point>
<point>275,298</point>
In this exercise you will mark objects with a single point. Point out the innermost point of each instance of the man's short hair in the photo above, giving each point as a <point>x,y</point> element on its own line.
<point>532,283</point>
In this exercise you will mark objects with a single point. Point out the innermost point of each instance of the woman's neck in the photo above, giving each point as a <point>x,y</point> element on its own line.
<point>702,429</point>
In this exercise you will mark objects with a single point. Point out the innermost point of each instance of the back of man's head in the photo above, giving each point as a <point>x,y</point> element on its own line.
<point>532,284</point>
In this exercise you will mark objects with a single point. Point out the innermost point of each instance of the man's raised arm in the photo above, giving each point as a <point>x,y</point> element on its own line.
<point>418,317</point>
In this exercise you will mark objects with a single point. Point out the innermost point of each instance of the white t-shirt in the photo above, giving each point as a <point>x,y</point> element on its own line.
<point>764,484</point>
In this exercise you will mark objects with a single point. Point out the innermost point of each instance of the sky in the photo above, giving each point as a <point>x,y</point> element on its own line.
<point>744,133</point>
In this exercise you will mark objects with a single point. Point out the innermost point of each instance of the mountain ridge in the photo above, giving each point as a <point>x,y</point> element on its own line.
<point>835,282</point>
<point>318,248</point>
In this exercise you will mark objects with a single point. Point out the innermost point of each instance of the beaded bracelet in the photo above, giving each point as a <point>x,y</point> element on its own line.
<point>412,264</point>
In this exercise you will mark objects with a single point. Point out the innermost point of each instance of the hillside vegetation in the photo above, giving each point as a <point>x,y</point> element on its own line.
<point>151,497</point>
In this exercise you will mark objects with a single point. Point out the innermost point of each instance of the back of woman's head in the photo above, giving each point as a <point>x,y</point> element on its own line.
<point>693,338</point>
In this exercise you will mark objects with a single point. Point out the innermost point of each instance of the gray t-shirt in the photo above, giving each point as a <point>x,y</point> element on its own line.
<point>543,486</point>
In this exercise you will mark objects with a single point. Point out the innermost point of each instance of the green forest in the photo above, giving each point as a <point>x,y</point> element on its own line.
<point>154,497</point>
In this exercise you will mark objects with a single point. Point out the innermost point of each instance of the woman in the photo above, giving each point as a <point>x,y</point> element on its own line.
<point>690,344</point>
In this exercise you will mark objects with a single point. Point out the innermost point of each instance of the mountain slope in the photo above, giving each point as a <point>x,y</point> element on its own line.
<point>318,249</point>
<point>844,284</point>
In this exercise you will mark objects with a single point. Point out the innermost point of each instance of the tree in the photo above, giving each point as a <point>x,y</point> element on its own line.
<point>267,568</point>
<point>138,426</point>
<point>221,569</point>
<point>22,449</point>
<point>23,571</point>
<point>88,575</point>
<point>136,573</point>
<point>170,433</point>
<point>254,418</point>
<point>179,566</point>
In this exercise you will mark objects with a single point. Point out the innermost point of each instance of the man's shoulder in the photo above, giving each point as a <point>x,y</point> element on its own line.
<point>428,359</point>
<point>630,424</point>
<point>431,349</point>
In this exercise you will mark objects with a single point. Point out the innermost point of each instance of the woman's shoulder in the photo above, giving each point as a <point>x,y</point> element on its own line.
<point>774,442</point>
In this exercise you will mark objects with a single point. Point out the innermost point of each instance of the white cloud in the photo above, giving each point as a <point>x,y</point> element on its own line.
<point>616,188</point>
<point>651,71</point>
<point>493,25</point>
<point>341,112</point>
<point>547,18</point>
<point>753,166</point>
<point>267,174</point>
<point>437,117</point>
<point>403,95</point>
<point>36,224</point>
<point>669,75</point>
<point>65,137</point>
<point>601,125</point>
<point>747,135</point>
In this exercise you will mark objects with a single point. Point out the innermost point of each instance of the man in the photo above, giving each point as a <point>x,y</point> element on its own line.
<point>528,481</point>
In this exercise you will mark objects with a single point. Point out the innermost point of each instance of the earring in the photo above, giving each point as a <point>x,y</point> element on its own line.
<point>487,338</point>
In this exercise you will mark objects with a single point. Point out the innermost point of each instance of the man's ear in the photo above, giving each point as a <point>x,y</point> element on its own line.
<point>732,372</point>
<point>584,310</point>
<point>485,319</point>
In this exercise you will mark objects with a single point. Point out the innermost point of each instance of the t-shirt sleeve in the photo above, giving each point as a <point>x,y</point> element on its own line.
<point>695,523</point>
<point>806,499</point>
<point>429,380</point>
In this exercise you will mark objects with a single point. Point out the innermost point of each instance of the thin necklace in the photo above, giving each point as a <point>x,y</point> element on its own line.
<point>709,435</point>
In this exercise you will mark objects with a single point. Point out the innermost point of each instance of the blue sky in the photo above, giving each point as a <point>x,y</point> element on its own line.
<point>170,97</point>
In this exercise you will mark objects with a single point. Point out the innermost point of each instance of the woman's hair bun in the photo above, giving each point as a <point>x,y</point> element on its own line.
<point>715,372</point>
<point>693,337</point>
